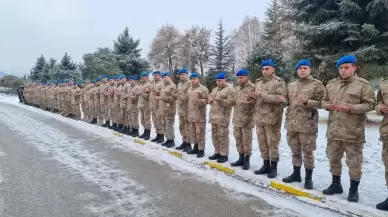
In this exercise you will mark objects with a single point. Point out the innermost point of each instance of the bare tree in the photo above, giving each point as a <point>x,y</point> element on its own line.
<point>200,38</point>
<point>164,48</point>
<point>245,39</point>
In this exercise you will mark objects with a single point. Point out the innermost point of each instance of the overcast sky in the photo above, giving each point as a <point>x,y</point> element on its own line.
<point>29,28</point>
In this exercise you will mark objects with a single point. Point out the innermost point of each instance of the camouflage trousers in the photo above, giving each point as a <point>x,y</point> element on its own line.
<point>269,138</point>
<point>220,139</point>
<point>114,110</point>
<point>105,111</point>
<point>385,160</point>
<point>123,116</point>
<point>66,107</point>
<point>133,118</point>
<point>197,133</point>
<point>145,118</point>
<point>157,121</point>
<point>90,110</point>
<point>302,145</point>
<point>243,136</point>
<point>169,127</point>
<point>76,110</point>
<point>354,157</point>
<point>184,127</point>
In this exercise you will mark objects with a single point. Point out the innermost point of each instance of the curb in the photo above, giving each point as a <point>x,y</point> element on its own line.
<point>295,191</point>
<point>291,191</point>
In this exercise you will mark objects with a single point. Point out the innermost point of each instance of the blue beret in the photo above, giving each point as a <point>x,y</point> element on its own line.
<point>242,72</point>
<point>183,71</point>
<point>269,62</point>
<point>98,80</point>
<point>133,77</point>
<point>194,75</point>
<point>166,74</point>
<point>144,74</point>
<point>156,73</point>
<point>221,75</point>
<point>304,62</point>
<point>346,59</point>
<point>103,76</point>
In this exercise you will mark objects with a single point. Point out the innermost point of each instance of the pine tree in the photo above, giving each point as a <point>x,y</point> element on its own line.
<point>128,54</point>
<point>221,50</point>
<point>67,68</point>
<point>37,70</point>
<point>67,63</point>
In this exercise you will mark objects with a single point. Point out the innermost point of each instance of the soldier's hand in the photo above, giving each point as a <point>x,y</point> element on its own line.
<point>384,109</point>
<point>210,98</point>
<point>330,107</point>
<point>344,107</point>
<point>254,95</point>
<point>302,99</point>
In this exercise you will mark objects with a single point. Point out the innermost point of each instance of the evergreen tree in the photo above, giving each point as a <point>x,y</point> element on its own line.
<point>37,70</point>
<point>67,63</point>
<point>128,55</point>
<point>221,52</point>
<point>67,69</point>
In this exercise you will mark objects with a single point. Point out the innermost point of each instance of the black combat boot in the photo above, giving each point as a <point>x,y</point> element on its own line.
<point>164,143</point>
<point>119,126</point>
<point>128,131</point>
<point>247,163</point>
<point>353,191</point>
<point>147,135</point>
<point>181,146</point>
<point>195,150</point>
<point>239,162</point>
<point>264,169</point>
<point>214,157</point>
<point>94,121</point>
<point>383,205</point>
<point>222,159</point>
<point>156,138</point>
<point>294,177</point>
<point>308,180</point>
<point>200,153</point>
<point>113,127</point>
<point>170,143</point>
<point>122,130</point>
<point>187,148</point>
<point>161,139</point>
<point>107,124</point>
<point>143,135</point>
<point>335,187</point>
<point>273,170</point>
<point>135,132</point>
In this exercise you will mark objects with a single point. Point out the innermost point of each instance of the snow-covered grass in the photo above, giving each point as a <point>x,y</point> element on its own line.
<point>372,187</point>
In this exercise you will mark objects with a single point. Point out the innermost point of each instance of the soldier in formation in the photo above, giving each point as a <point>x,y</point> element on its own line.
<point>119,104</point>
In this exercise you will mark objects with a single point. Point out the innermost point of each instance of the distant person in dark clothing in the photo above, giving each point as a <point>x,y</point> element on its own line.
<point>20,90</point>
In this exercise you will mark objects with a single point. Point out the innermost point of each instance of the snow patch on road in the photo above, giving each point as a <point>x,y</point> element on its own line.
<point>130,197</point>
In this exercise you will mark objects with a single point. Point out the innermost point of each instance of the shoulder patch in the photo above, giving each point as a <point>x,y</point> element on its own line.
<point>333,80</point>
<point>317,80</point>
<point>363,80</point>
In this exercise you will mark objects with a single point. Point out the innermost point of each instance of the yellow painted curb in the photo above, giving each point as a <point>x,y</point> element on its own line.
<point>139,141</point>
<point>117,134</point>
<point>219,167</point>
<point>295,191</point>
<point>176,154</point>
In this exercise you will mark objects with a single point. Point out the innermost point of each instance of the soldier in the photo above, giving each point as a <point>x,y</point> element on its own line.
<point>96,101</point>
<point>167,108</point>
<point>197,102</point>
<point>75,101</point>
<point>89,91</point>
<point>182,102</point>
<point>382,109</point>
<point>110,98</point>
<point>104,94</point>
<point>304,97</point>
<point>123,115</point>
<point>132,101</point>
<point>221,100</point>
<point>116,106</point>
<point>270,92</point>
<point>348,99</point>
<point>242,118</point>
<point>144,105</point>
<point>85,99</point>
<point>156,87</point>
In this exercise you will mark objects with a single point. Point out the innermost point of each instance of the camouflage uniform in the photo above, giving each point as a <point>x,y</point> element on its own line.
<point>132,101</point>
<point>123,115</point>
<point>75,101</point>
<point>182,103</point>
<point>96,102</point>
<point>156,87</point>
<point>302,120</point>
<point>220,112</point>
<point>144,104</point>
<point>111,90</point>
<point>104,101</point>
<point>167,108</point>
<point>382,99</point>
<point>197,102</point>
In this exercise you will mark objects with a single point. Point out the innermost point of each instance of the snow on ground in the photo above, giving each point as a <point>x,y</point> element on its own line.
<point>2,155</point>
<point>372,187</point>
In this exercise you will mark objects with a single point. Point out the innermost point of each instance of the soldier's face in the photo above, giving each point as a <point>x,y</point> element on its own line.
<point>156,77</point>
<point>131,81</point>
<point>268,71</point>
<point>166,78</point>
<point>144,78</point>
<point>304,71</point>
<point>347,70</point>
<point>195,80</point>
<point>220,82</point>
<point>183,76</point>
<point>87,81</point>
<point>242,79</point>
<point>104,80</point>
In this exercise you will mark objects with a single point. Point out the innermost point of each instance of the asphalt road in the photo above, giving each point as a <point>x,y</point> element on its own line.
<point>51,169</point>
